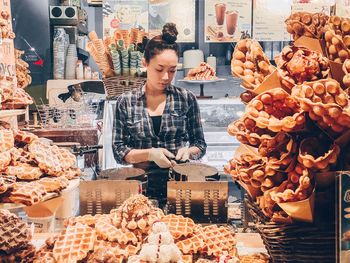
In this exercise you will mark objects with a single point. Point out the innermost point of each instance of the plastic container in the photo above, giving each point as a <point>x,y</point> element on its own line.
<point>43,224</point>
<point>70,205</point>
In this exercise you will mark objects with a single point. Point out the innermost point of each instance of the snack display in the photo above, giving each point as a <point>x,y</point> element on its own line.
<point>5,29</point>
<point>250,63</point>
<point>297,64</point>
<point>306,24</point>
<point>30,167</point>
<point>22,71</point>
<point>203,72</point>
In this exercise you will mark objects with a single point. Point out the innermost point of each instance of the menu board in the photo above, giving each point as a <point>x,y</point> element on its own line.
<point>312,8</point>
<point>7,52</point>
<point>342,8</point>
<point>124,14</point>
<point>269,17</point>
<point>150,15</point>
<point>180,12</point>
<point>227,21</point>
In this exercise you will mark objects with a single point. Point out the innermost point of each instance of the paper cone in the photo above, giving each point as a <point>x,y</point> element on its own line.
<point>44,209</point>
<point>311,43</point>
<point>337,72</point>
<point>300,210</point>
<point>246,149</point>
<point>252,191</point>
<point>271,82</point>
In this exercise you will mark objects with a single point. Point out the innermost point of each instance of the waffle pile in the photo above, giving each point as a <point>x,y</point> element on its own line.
<point>294,134</point>
<point>22,71</point>
<point>15,239</point>
<point>203,72</point>
<point>30,167</point>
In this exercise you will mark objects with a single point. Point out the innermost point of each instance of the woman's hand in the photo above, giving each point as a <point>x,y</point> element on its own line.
<point>160,157</point>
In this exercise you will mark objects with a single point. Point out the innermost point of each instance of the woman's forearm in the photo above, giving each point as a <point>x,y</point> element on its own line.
<point>137,156</point>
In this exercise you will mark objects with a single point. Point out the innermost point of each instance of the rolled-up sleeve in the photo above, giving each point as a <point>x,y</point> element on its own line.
<point>194,126</point>
<point>121,135</point>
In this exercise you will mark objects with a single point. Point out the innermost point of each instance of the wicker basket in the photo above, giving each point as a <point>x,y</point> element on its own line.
<point>298,242</point>
<point>115,86</point>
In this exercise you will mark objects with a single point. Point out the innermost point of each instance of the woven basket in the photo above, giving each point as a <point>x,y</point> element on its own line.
<point>115,86</point>
<point>298,242</point>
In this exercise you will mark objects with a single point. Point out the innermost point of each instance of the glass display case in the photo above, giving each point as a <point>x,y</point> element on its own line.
<point>216,116</point>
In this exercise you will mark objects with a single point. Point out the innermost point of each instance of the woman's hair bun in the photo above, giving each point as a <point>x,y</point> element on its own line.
<point>169,33</point>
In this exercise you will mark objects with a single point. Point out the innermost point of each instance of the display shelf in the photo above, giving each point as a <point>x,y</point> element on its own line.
<point>11,113</point>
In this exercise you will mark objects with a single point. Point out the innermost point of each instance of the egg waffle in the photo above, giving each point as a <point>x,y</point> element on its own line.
<point>7,141</point>
<point>277,111</point>
<point>326,103</point>
<point>14,233</point>
<point>317,156</point>
<point>178,225</point>
<point>250,63</point>
<point>346,70</point>
<point>74,243</point>
<point>24,172</point>
<point>297,64</point>
<point>203,72</point>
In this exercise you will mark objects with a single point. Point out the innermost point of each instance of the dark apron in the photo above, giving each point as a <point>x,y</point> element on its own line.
<point>157,178</point>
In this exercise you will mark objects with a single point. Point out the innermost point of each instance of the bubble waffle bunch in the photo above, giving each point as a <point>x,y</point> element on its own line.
<point>246,131</point>
<point>280,151</point>
<point>247,96</point>
<point>136,214</point>
<point>250,63</point>
<point>297,64</point>
<point>277,111</point>
<point>346,70</point>
<point>14,235</point>
<point>5,26</point>
<point>337,38</point>
<point>22,71</point>
<point>299,186</point>
<point>337,50</point>
<point>306,24</point>
<point>203,72</point>
<point>32,161</point>
<point>326,103</point>
<point>318,156</point>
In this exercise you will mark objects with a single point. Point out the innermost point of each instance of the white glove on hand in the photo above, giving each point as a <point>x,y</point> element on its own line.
<point>183,154</point>
<point>160,157</point>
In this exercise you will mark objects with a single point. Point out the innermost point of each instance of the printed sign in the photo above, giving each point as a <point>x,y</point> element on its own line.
<point>227,21</point>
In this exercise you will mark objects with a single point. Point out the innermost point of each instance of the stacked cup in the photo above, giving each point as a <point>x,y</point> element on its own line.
<point>59,53</point>
<point>71,61</point>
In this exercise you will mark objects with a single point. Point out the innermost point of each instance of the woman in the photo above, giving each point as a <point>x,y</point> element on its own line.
<point>154,123</point>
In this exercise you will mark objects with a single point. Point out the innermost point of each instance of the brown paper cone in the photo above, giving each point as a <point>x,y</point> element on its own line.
<point>337,72</point>
<point>300,210</point>
<point>311,43</point>
<point>271,82</point>
<point>44,209</point>
<point>246,149</point>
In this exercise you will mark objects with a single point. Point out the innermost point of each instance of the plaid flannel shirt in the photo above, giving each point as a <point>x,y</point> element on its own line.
<point>133,127</point>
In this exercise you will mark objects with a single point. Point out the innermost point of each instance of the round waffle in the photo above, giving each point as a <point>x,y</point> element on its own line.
<point>297,64</point>
<point>326,103</point>
<point>277,111</point>
<point>14,233</point>
<point>179,226</point>
<point>6,140</point>
<point>250,63</point>
<point>46,157</point>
